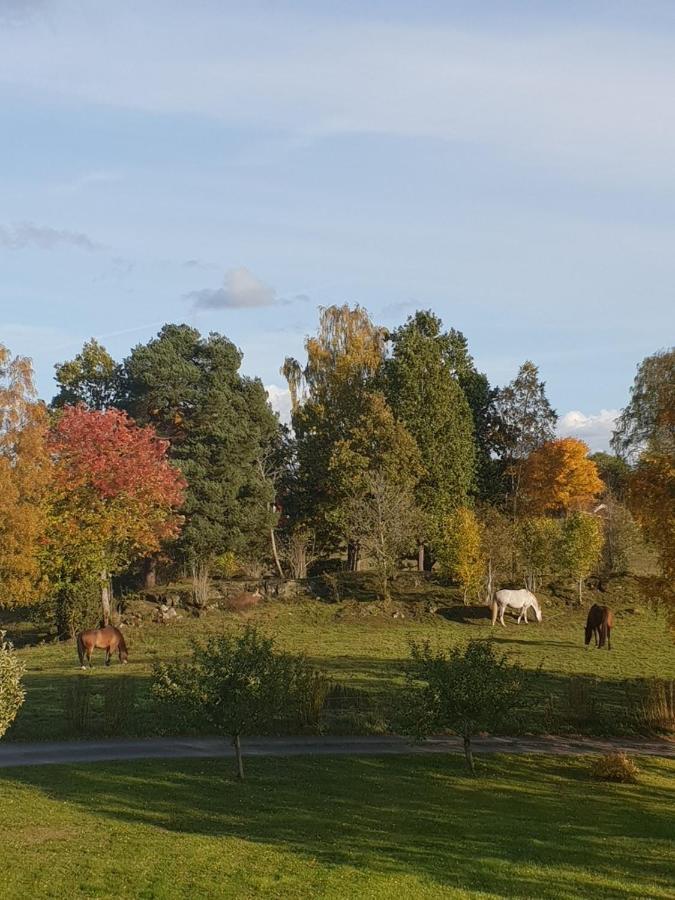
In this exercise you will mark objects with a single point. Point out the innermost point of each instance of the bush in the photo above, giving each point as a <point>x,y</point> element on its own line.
<point>12,693</point>
<point>616,767</point>
<point>78,607</point>
<point>225,566</point>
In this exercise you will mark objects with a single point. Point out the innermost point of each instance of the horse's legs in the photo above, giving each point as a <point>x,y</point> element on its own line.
<point>501,615</point>
<point>525,615</point>
<point>89,649</point>
<point>495,610</point>
<point>107,656</point>
<point>609,643</point>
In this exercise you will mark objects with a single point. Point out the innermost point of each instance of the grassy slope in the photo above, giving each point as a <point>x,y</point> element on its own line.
<point>370,828</point>
<point>366,651</point>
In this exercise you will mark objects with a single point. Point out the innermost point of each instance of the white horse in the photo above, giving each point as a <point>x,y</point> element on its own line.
<point>522,600</point>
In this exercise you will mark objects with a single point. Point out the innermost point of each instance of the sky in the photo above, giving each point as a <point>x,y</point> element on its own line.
<point>510,165</point>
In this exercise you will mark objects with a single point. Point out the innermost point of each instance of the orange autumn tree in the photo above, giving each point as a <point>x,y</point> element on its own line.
<point>24,480</point>
<point>115,496</point>
<point>559,478</point>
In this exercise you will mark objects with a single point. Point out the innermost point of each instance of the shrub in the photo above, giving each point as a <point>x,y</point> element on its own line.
<point>467,690</point>
<point>615,767</point>
<point>12,693</point>
<point>238,685</point>
<point>225,566</point>
<point>78,607</point>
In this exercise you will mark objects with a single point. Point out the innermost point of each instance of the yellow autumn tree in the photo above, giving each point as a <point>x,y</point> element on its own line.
<point>461,554</point>
<point>560,478</point>
<point>24,483</point>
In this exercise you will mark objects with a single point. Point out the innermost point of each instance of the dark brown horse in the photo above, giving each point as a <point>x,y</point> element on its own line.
<point>109,639</point>
<point>600,622</point>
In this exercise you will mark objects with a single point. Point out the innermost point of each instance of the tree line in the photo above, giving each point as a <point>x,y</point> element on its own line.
<point>398,448</point>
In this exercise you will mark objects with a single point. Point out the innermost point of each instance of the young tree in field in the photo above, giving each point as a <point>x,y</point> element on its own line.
<point>460,553</point>
<point>498,547</point>
<point>219,425</point>
<point>621,535</point>
<point>382,517</point>
<point>114,496</point>
<point>237,686</point>
<point>424,392</point>
<point>539,545</point>
<point>24,483</point>
<point>12,693</point>
<point>558,477</point>
<point>329,395</point>
<point>648,422</point>
<point>526,421</point>
<point>465,690</point>
<point>581,546</point>
<point>91,378</point>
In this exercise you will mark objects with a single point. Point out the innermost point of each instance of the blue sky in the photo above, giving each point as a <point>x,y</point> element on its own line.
<point>511,165</point>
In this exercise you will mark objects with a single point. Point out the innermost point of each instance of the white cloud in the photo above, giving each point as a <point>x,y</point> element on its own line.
<point>280,401</point>
<point>595,429</point>
<point>42,237</point>
<point>241,290</point>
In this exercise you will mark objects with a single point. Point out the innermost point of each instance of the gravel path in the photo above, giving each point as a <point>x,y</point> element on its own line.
<point>39,754</point>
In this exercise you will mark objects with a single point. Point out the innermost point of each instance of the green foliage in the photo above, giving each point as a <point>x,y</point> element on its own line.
<point>92,378</point>
<point>218,423</point>
<point>12,693</point>
<point>238,685</point>
<point>621,537</point>
<point>614,472</point>
<point>424,392</point>
<point>526,421</point>
<point>580,547</point>
<point>77,606</point>
<point>616,767</point>
<point>648,422</point>
<point>467,690</point>
<point>538,546</point>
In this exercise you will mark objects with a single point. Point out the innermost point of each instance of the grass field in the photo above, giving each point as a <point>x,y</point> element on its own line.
<point>355,644</point>
<point>361,828</point>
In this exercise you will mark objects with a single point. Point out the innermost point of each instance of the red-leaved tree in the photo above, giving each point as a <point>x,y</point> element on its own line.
<point>115,495</point>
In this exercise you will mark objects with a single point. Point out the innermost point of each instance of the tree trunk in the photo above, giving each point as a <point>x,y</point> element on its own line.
<point>468,754</point>
<point>353,557</point>
<point>150,571</point>
<point>240,761</point>
<point>105,597</point>
<point>581,585</point>
<point>420,557</point>
<point>275,553</point>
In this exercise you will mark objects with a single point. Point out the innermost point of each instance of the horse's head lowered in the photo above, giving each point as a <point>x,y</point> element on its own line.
<point>537,613</point>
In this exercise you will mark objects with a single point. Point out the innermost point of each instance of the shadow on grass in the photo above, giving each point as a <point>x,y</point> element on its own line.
<point>524,828</point>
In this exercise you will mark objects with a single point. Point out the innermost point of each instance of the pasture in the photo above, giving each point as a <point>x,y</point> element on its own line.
<point>357,644</point>
<point>329,827</point>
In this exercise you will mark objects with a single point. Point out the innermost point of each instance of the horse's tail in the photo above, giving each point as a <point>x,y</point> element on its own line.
<point>121,645</point>
<point>80,648</point>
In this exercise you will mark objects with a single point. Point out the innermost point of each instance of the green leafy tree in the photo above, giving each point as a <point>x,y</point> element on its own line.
<point>423,390</point>
<point>614,472</point>
<point>526,422</point>
<point>539,544</point>
<point>12,693</point>
<point>92,378</point>
<point>621,537</point>
<point>580,548</point>
<point>382,518</point>
<point>498,543</point>
<point>238,685</point>
<point>648,422</point>
<point>465,690</point>
<point>330,395</point>
<point>219,424</point>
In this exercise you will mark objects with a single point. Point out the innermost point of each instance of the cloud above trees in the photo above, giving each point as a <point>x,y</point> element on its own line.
<point>25,235</point>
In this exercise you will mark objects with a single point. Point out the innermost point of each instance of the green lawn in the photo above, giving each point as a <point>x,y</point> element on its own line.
<point>364,828</point>
<point>368,652</point>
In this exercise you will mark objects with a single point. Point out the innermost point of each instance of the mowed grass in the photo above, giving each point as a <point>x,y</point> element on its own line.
<point>368,652</point>
<point>364,828</point>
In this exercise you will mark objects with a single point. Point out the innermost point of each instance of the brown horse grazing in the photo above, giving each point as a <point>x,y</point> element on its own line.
<point>600,622</point>
<point>108,639</point>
